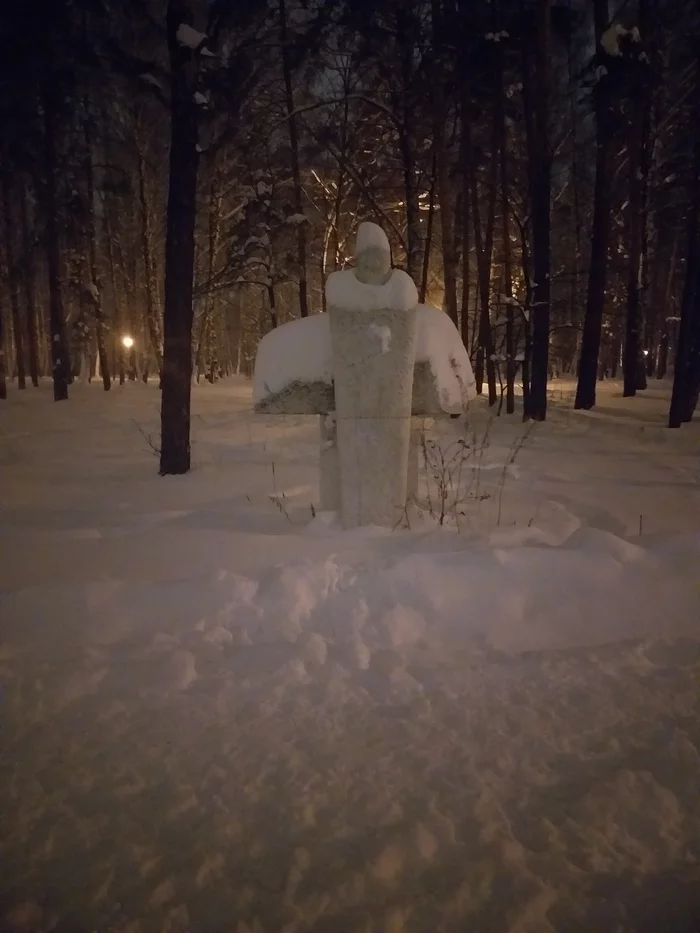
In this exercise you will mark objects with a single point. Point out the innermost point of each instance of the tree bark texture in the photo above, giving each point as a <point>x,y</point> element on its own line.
<point>405,30</point>
<point>3,377</point>
<point>13,284</point>
<point>634,373</point>
<point>511,366</point>
<point>443,180</point>
<point>296,173</point>
<point>94,269</point>
<point>602,198</point>
<point>60,360</point>
<point>153,322</point>
<point>483,242</point>
<point>179,251</point>
<point>686,380</point>
<point>541,194</point>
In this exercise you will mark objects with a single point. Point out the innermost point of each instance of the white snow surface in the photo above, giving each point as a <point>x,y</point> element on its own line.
<point>344,290</point>
<point>439,343</point>
<point>221,714</point>
<point>371,236</point>
<point>300,351</point>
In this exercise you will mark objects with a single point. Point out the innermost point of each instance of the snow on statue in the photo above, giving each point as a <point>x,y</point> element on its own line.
<point>373,361</point>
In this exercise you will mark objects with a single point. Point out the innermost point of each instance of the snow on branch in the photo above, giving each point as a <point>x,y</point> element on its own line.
<point>152,80</point>
<point>191,38</point>
<point>610,40</point>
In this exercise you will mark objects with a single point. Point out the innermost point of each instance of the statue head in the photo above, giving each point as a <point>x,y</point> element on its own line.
<point>372,255</point>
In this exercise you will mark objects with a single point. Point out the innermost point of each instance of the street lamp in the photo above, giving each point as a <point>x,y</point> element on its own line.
<point>128,342</point>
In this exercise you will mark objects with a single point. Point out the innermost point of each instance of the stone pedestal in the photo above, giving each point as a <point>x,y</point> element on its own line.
<point>419,425</point>
<point>373,360</point>
<point>329,480</point>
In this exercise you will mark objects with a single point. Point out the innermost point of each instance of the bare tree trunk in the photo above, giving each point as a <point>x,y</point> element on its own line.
<point>272,305</point>
<point>29,301</point>
<point>13,285</point>
<point>662,362</point>
<point>682,401</point>
<point>340,187</point>
<point>414,244</point>
<point>95,282</point>
<point>511,365</point>
<point>123,287</point>
<point>3,377</point>
<point>152,315</point>
<point>576,212</point>
<point>423,290</point>
<point>466,221</point>
<point>484,253</point>
<point>214,234</point>
<point>443,183</point>
<point>296,174</point>
<point>233,330</point>
<point>205,356</point>
<point>686,379</point>
<point>179,251</point>
<point>597,275</point>
<point>323,264</point>
<point>60,359</point>
<point>653,325</point>
<point>405,29</point>
<point>541,156</point>
<point>117,335</point>
<point>638,171</point>
<point>661,299</point>
<point>526,314</point>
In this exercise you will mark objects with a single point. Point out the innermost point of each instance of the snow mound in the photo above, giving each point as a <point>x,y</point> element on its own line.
<point>344,290</point>
<point>601,589</point>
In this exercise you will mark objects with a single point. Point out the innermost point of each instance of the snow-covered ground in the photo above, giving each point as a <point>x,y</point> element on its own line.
<point>220,713</point>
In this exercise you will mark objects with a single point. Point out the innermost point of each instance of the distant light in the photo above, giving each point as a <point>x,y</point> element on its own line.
<point>646,353</point>
<point>128,342</point>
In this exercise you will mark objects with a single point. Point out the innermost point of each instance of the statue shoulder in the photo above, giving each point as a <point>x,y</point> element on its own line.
<point>403,290</point>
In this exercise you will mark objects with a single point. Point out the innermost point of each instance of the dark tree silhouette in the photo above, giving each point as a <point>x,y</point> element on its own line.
<point>179,245</point>
<point>600,233</point>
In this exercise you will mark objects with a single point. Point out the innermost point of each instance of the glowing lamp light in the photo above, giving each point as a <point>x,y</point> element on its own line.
<point>646,353</point>
<point>128,342</point>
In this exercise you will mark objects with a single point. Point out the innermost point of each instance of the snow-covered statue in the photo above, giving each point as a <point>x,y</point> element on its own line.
<point>374,361</point>
<point>372,311</point>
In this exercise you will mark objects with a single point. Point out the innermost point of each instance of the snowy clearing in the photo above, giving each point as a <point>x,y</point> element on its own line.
<point>219,713</point>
